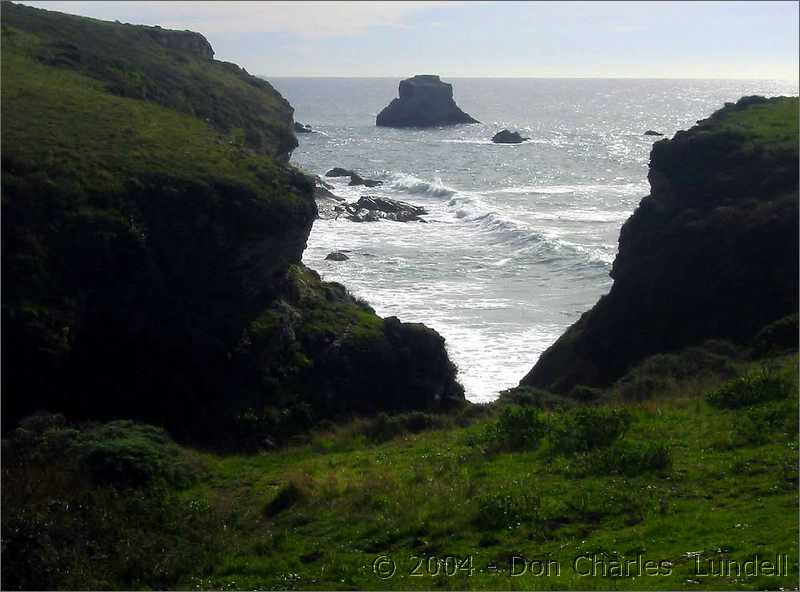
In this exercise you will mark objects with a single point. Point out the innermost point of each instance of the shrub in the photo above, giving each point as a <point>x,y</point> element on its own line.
<point>662,371</point>
<point>532,397</point>
<point>752,389</point>
<point>287,496</point>
<point>384,427</point>
<point>517,428</point>
<point>629,459</point>
<point>781,335</point>
<point>586,428</point>
<point>125,454</point>
<point>506,509</point>
<point>762,422</point>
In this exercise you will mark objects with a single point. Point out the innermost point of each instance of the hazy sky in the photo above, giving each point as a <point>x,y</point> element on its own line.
<point>455,39</point>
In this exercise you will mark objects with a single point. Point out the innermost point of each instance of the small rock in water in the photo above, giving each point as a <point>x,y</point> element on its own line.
<point>653,133</point>
<point>339,172</point>
<point>299,128</point>
<point>336,256</point>
<point>508,137</point>
<point>356,179</point>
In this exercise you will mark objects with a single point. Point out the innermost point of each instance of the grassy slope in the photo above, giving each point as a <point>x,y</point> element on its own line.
<point>64,123</point>
<point>772,127</point>
<point>422,495</point>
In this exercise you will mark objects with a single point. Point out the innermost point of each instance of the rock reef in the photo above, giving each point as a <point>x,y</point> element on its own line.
<point>711,253</point>
<point>425,101</point>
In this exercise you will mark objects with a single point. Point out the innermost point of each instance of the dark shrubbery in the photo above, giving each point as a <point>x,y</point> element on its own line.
<point>660,372</point>
<point>94,507</point>
<point>760,423</point>
<point>506,509</point>
<point>517,428</point>
<point>533,397</point>
<point>752,389</point>
<point>586,428</point>
<point>628,459</point>
<point>782,335</point>
<point>384,427</point>
<point>287,496</point>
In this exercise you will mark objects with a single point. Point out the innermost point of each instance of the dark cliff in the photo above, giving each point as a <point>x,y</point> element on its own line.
<point>712,252</point>
<point>151,244</point>
<point>424,101</point>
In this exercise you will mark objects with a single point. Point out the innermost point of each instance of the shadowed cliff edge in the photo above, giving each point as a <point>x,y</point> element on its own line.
<point>152,234</point>
<point>711,253</point>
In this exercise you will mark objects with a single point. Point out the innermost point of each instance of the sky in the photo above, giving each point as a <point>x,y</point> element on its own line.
<point>750,40</point>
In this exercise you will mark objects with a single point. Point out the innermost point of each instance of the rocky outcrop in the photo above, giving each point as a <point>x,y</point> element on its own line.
<point>165,284</point>
<point>424,101</point>
<point>186,41</point>
<point>355,178</point>
<point>653,133</point>
<point>300,128</point>
<point>508,137</point>
<point>711,253</point>
<point>372,209</point>
<point>336,256</point>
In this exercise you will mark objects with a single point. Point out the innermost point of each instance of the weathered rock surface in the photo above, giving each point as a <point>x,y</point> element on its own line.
<point>711,253</point>
<point>339,172</point>
<point>508,137</point>
<point>372,209</point>
<point>356,179</point>
<point>424,101</point>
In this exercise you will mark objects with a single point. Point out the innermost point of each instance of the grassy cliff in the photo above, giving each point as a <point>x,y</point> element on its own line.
<point>710,254</point>
<point>151,244</point>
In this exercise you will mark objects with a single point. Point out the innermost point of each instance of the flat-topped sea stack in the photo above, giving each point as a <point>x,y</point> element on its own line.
<point>425,101</point>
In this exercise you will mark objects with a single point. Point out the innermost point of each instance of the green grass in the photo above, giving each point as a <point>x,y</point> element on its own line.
<point>772,126</point>
<point>686,480</point>
<point>64,124</point>
<point>438,494</point>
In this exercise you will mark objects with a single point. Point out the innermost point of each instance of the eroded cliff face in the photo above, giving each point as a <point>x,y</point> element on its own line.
<point>151,253</point>
<point>712,252</point>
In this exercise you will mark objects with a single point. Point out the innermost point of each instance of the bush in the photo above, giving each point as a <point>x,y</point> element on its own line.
<point>384,427</point>
<point>72,518</point>
<point>506,509</point>
<point>752,389</point>
<point>586,428</point>
<point>761,423</point>
<point>662,371</point>
<point>526,396</point>
<point>288,496</point>
<point>779,336</point>
<point>628,459</point>
<point>124,454</point>
<point>517,428</point>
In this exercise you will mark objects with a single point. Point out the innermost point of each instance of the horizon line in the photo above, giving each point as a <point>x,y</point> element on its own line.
<point>789,80</point>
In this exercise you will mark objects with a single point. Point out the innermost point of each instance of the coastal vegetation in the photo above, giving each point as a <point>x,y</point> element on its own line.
<point>186,405</point>
<point>670,478</point>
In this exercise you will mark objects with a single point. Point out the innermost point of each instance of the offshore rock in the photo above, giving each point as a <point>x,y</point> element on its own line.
<point>425,101</point>
<point>508,137</point>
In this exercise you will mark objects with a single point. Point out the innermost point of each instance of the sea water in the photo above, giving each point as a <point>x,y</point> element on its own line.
<point>519,239</point>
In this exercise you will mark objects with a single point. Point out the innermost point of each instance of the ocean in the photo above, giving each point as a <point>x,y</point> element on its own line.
<point>520,238</point>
